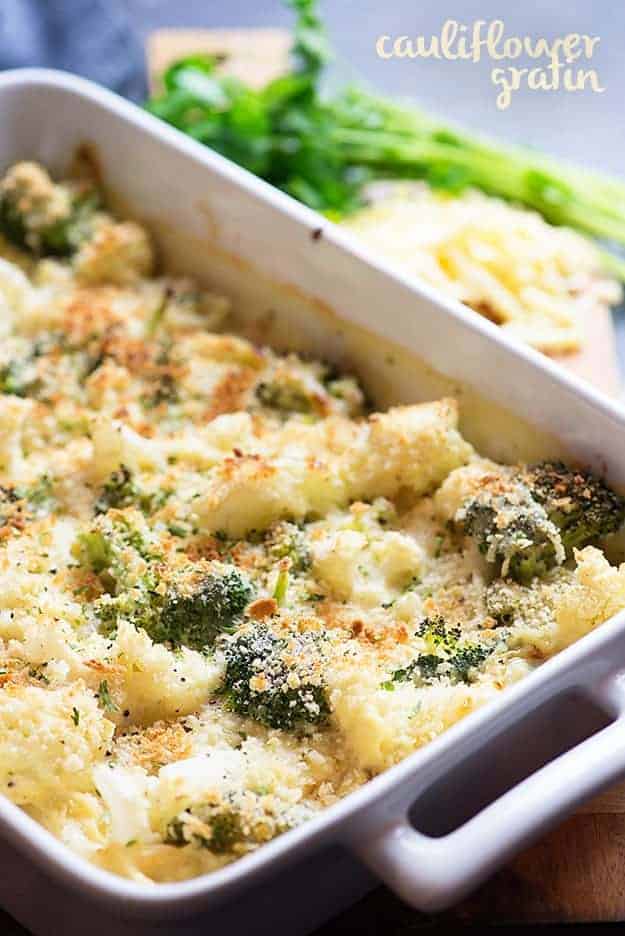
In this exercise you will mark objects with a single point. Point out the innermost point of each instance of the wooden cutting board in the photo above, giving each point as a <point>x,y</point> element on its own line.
<point>577,873</point>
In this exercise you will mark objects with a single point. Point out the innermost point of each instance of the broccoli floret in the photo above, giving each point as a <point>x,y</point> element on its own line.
<point>287,396</point>
<point>505,602</point>
<point>467,658</point>
<point>93,550</point>
<point>287,541</point>
<point>13,513</point>
<point>65,236</point>
<point>117,552</point>
<point>41,217</point>
<point>282,586</point>
<point>22,503</point>
<point>447,654</point>
<point>19,378</point>
<point>104,697</point>
<point>165,390</point>
<point>344,388</point>
<point>39,495</point>
<point>582,506</point>
<point>120,491</point>
<point>195,618</point>
<point>275,680</point>
<point>226,832</point>
<point>514,531</point>
<point>9,494</point>
<point>347,389</point>
<point>531,521</point>
<point>190,609</point>
<point>220,830</point>
<point>141,605</point>
<point>234,825</point>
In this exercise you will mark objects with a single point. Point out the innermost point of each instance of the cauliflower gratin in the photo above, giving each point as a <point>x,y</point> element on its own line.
<point>229,593</point>
<point>534,280</point>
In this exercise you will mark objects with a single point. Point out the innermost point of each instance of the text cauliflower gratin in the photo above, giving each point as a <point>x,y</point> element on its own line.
<point>228,594</point>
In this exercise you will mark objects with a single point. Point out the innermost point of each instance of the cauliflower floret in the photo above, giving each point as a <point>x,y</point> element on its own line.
<point>49,741</point>
<point>124,791</point>
<point>314,471</point>
<point>596,594</point>
<point>336,561</point>
<point>14,415</point>
<point>15,291</point>
<point>412,447</point>
<point>154,683</point>
<point>227,349</point>
<point>41,217</point>
<point>369,572</point>
<point>381,725</point>
<point>32,201</point>
<point>460,485</point>
<point>251,493</point>
<point>205,446</point>
<point>118,252</point>
<point>115,444</point>
<point>192,779</point>
<point>186,306</point>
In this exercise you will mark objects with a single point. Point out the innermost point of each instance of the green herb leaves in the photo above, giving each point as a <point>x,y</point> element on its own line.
<point>321,150</point>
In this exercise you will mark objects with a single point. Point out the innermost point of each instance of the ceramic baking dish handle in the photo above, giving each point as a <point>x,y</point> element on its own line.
<point>432,873</point>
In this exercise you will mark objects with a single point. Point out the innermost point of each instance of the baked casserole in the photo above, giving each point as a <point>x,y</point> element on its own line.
<point>230,593</point>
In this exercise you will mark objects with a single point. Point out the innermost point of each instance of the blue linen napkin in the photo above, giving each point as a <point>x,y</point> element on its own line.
<point>93,38</point>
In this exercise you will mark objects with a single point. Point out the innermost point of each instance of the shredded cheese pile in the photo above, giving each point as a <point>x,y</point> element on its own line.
<point>534,280</point>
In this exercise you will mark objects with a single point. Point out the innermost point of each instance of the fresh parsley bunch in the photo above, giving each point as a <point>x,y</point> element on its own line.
<point>322,149</point>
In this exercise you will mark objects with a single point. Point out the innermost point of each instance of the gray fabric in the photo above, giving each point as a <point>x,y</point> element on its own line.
<point>89,37</point>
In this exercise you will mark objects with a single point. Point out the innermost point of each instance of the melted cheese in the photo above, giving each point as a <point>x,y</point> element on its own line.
<point>130,426</point>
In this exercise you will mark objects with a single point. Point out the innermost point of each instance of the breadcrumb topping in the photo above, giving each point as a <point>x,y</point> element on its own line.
<point>229,593</point>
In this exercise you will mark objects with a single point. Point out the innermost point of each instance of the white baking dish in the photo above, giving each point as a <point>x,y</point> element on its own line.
<point>492,782</point>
